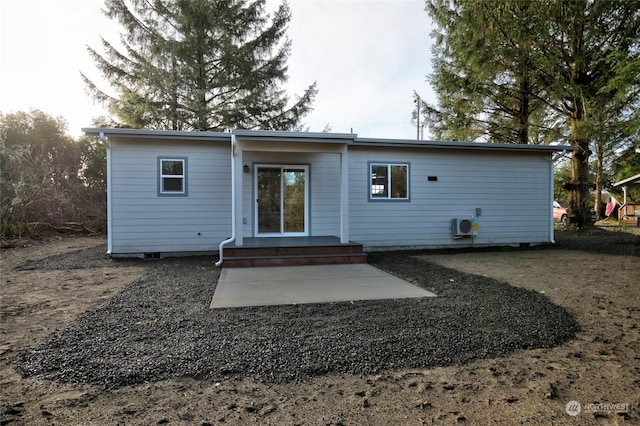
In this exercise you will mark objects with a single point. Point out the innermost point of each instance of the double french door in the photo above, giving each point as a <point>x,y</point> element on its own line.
<point>282,200</point>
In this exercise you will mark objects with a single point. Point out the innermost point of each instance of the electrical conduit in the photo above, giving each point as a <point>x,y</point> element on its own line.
<point>232,238</point>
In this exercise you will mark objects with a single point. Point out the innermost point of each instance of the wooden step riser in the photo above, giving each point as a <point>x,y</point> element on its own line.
<point>291,251</point>
<point>293,261</point>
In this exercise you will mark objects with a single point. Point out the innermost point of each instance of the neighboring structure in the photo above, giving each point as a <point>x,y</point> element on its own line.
<point>629,212</point>
<point>184,192</point>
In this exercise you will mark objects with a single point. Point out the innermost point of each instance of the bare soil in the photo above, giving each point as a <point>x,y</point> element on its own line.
<point>593,275</point>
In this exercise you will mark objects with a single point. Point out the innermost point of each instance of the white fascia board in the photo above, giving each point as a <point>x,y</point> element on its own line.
<point>350,139</point>
<point>158,134</point>
<point>281,136</point>
<point>408,143</point>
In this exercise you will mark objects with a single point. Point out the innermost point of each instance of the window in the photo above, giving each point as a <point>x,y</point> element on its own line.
<point>389,181</point>
<point>172,179</point>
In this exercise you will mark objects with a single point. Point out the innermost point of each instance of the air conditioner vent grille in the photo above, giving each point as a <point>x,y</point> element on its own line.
<point>464,227</point>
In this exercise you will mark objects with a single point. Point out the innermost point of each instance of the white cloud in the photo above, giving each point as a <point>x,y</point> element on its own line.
<point>367,57</point>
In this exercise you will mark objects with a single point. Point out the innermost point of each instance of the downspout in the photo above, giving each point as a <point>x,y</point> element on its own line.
<point>106,144</point>
<point>551,196</point>
<point>232,238</point>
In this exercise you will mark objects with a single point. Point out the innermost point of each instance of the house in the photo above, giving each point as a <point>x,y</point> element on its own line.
<point>629,212</point>
<point>174,192</point>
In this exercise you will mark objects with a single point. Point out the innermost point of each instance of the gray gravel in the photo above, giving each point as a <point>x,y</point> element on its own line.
<point>161,327</point>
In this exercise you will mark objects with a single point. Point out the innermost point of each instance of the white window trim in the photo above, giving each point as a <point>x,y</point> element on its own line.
<point>388,165</point>
<point>183,176</point>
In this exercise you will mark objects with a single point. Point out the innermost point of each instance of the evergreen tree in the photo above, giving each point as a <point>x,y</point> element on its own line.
<point>519,65</point>
<point>484,71</point>
<point>589,62</point>
<point>207,65</point>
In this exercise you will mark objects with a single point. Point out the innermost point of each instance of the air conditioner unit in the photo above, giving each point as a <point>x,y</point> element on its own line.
<point>464,227</point>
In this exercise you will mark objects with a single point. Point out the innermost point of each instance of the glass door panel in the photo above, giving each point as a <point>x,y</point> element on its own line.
<point>269,199</point>
<point>293,188</point>
<point>282,205</point>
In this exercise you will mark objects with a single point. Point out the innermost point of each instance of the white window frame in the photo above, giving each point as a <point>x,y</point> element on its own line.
<point>161,176</point>
<point>389,196</point>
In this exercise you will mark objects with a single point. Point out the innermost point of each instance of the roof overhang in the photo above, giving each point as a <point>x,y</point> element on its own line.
<point>308,137</point>
<point>158,134</point>
<point>633,180</point>
<point>460,145</point>
<point>350,139</point>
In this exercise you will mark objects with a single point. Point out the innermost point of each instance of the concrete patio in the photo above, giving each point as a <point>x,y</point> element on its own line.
<point>284,285</point>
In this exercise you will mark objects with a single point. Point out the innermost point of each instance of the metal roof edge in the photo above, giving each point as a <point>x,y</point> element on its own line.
<point>409,143</point>
<point>350,139</point>
<point>294,136</point>
<point>158,134</point>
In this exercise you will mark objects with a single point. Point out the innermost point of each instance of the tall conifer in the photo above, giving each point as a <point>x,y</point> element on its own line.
<point>206,65</point>
<point>538,70</point>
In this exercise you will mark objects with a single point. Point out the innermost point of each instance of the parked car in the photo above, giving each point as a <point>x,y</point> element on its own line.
<point>559,212</point>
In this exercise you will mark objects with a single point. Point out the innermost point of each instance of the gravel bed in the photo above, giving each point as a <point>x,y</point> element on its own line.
<point>161,327</point>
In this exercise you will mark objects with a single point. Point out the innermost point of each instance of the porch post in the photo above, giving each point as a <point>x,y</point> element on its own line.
<point>239,171</point>
<point>344,195</point>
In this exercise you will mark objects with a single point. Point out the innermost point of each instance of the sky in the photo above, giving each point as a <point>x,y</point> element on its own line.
<point>367,56</point>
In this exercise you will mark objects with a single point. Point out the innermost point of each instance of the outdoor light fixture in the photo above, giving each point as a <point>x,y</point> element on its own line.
<point>245,168</point>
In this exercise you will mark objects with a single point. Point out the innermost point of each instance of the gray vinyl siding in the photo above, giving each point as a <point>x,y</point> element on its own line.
<point>143,222</point>
<point>324,188</point>
<point>512,189</point>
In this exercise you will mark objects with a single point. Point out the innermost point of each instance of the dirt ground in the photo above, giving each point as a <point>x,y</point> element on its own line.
<point>600,369</point>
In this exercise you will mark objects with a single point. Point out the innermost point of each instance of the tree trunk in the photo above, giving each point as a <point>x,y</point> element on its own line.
<point>599,167</point>
<point>523,125</point>
<point>578,214</point>
<point>175,118</point>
